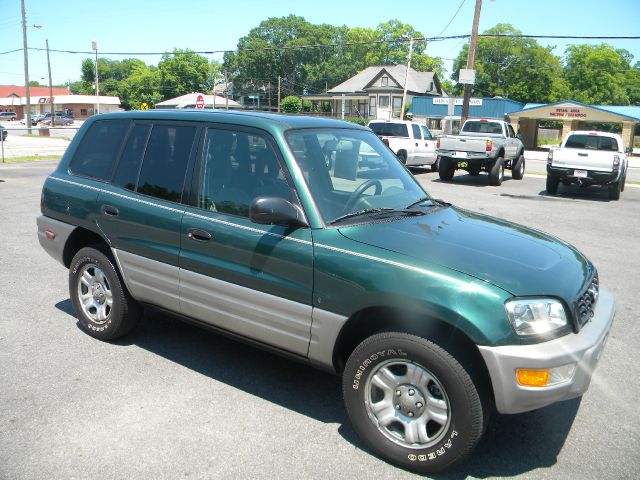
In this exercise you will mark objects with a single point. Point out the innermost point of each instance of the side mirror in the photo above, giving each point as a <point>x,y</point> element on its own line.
<point>518,136</point>
<point>276,211</point>
<point>628,150</point>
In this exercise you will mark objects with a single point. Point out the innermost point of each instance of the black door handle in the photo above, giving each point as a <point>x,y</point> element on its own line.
<point>199,235</point>
<point>109,210</point>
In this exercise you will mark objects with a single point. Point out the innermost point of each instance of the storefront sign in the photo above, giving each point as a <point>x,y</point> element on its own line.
<point>476,102</point>
<point>567,113</point>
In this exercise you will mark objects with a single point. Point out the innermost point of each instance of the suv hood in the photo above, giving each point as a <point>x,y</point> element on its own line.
<point>514,258</point>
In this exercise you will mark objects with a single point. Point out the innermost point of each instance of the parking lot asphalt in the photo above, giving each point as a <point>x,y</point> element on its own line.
<point>173,401</point>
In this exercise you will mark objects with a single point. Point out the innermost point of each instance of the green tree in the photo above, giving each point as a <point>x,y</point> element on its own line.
<point>291,104</point>
<point>517,68</point>
<point>184,71</point>
<point>600,74</point>
<point>142,85</point>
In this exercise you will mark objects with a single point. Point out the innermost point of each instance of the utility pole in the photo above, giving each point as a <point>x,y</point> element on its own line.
<point>226,90</point>
<point>278,93</point>
<point>269,97</point>
<point>406,78</point>
<point>213,103</point>
<point>27,115</point>
<point>470,61</point>
<point>53,120</point>
<point>94,47</point>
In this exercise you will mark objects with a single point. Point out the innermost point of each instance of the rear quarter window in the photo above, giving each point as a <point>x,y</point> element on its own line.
<point>98,148</point>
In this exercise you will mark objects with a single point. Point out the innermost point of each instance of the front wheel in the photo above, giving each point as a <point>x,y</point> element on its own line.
<point>517,171</point>
<point>411,402</point>
<point>104,307</point>
<point>552,185</point>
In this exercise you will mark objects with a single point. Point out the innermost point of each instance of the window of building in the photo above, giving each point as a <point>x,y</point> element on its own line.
<point>97,150</point>
<point>83,112</point>
<point>372,107</point>
<point>397,106</point>
<point>165,162</point>
<point>384,81</point>
<point>236,167</point>
<point>383,101</point>
<point>129,164</point>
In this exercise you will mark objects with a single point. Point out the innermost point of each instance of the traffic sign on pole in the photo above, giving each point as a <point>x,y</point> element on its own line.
<point>200,102</point>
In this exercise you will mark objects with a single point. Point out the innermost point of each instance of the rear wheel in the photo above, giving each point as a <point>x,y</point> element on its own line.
<point>623,181</point>
<point>446,169</point>
<point>104,308</point>
<point>517,170</point>
<point>412,402</point>
<point>614,190</point>
<point>435,165</point>
<point>496,174</point>
<point>552,185</point>
<point>402,156</point>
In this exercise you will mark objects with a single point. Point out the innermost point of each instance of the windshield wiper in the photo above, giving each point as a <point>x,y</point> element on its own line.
<point>372,211</point>
<point>434,202</point>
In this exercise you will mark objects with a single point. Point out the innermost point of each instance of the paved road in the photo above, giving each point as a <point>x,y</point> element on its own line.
<point>173,401</point>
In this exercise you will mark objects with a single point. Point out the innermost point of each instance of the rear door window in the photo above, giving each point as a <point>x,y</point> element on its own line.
<point>98,148</point>
<point>165,162</point>
<point>127,171</point>
<point>416,132</point>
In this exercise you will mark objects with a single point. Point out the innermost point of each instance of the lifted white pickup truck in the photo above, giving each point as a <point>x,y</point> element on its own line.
<point>588,158</point>
<point>412,143</point>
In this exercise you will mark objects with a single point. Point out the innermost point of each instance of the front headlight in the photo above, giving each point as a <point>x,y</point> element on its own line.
<point>536,316</point>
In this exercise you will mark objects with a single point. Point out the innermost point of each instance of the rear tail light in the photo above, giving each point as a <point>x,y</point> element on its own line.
<point>437,142</point>
<point>385,141</point>
<point>550,157</point>
<point>489,145</point>
<point>616,163</point>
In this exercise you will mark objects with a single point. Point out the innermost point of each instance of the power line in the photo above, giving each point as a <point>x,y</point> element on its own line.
<point>452,18</point>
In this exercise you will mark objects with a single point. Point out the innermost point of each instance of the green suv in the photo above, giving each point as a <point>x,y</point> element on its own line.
<point>308,237</point>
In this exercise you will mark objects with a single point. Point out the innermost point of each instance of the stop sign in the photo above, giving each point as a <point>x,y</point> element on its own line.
<point>200,102</point>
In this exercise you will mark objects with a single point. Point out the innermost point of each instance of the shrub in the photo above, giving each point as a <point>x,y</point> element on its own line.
<point>356,120</point>
<point>291,104</point>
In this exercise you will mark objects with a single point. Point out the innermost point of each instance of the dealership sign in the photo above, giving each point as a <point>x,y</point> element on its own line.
<point>564,112</point>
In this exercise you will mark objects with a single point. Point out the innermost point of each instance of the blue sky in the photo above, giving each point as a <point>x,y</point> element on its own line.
<point>201,25</point>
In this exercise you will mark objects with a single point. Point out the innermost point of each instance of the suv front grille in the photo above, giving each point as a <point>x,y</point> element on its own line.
<point>586,303</point>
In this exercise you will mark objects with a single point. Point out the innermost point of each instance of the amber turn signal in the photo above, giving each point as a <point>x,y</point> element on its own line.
<point>532,378</point>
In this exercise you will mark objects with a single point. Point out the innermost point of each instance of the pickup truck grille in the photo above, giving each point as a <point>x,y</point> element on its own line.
<point>586,302</point>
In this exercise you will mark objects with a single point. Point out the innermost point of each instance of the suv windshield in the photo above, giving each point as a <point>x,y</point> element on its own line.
<point>352,171</point>
<point>389,129</point>
<point>592,142</point>
<point>491,128</point>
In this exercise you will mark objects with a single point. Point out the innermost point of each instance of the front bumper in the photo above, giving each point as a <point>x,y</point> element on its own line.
<point>582,349</point>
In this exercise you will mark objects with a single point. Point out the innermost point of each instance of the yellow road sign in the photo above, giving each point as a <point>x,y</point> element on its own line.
<point>144,106</point>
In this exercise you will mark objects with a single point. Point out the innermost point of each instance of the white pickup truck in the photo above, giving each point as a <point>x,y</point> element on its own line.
<point>483,144</point>
<point>588,158</point>
<point>412,143</point>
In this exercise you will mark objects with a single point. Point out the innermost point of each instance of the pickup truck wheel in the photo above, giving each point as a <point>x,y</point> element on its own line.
<point>517,171</point>
<point>402,156</point>
<point>623,181</point>
<point>552,185</point>
<point>435,165</point>
<point>104,308</point>
<point>496,174</point>
<point>411,402</point>
<point>614,190</point>
<point>446,169</point>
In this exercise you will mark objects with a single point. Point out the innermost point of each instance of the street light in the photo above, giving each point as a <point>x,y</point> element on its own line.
<point>94,47</point>
<point>406,77</point>
<point>26,68</point>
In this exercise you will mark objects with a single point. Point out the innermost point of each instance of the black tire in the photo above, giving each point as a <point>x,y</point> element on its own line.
<point>446,437</point>
<point>446,169</point>
<point>99,319</point>
<point>435,165</point>
<point>517,170</point>
<point>614,190</point>
<point>496,173</point>
<point>402,156</point>
<point>552,185</point>
<point>623,181</point>
<point>474,170</point>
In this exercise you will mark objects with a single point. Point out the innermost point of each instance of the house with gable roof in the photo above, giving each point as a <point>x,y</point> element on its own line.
<point>376,92</point>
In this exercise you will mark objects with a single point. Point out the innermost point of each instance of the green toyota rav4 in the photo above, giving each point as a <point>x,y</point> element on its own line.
<point>308,237</point>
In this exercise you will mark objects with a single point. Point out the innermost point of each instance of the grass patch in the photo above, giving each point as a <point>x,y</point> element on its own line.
<point>32,158</point>
<point>35,135</point>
